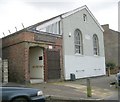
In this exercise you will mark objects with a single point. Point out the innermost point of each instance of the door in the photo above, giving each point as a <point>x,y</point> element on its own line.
<point>53,64</point>
<point>36,63</point>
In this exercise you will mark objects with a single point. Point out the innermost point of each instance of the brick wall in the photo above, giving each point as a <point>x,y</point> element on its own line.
<point>17,38</point>
<point>111,45</point>
<point>56,43</point>
<point>15,55</point>
<point>16,50</point>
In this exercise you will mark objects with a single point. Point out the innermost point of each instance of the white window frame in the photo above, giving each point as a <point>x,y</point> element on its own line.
<point>78,44</point>
<point>53,28</point>
<point>95,45</point>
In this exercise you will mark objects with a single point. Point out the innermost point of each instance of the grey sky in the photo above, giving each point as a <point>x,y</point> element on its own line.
<point>29,12</point>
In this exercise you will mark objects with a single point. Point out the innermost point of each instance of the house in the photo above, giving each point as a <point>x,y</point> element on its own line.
<point>119,16</point>
<point>70,43</point>
<point>111,43</point>
<point>0,48</point>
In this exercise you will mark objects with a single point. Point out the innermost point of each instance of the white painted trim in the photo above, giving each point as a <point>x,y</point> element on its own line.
<point>72,12</point>
<point>94,19</point>
<point>57,19</point>
<point>79,9</point>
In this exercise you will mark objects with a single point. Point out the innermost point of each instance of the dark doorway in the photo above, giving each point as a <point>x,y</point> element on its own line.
<point>53,64</point>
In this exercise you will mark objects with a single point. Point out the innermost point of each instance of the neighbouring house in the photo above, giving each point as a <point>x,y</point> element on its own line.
<point>112,44</point>
<point>0,60</point>
<point>0,48</point>
<point>70,43</point>
<point>119,16</point>
<point>119,28</point>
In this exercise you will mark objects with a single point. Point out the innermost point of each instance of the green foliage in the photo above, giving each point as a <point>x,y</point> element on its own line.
<point>110,65</point>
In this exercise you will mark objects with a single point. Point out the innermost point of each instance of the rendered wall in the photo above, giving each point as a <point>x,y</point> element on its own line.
<point>92,65</point>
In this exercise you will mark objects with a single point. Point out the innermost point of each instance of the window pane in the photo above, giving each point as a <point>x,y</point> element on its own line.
<point>95,45</point>
<point>78,41</point>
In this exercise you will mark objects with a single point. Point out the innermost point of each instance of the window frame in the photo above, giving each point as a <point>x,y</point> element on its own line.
<point>96,51</point>
<point>78,42</point>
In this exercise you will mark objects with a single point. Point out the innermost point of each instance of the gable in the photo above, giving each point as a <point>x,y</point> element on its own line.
<point>79,10</point>
<point>53,25</point>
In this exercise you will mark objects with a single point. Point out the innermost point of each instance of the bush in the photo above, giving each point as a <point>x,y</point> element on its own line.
<point>110,65</point>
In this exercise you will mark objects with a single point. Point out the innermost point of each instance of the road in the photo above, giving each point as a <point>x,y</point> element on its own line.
<point>77,89</point>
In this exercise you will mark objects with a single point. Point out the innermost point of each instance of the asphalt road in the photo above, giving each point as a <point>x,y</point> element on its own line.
<point>77,89</point>
<point>103,83</point>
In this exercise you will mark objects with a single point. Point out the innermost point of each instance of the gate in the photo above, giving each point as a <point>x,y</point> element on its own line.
<point>53,64</point>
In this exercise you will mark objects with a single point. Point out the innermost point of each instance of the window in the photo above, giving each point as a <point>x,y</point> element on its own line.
<point>53,28</point>
<point>95,45</point>
<point>78,42</point>
<point>85,17</point>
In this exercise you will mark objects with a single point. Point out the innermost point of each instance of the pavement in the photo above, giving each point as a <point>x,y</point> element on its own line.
<point>77,90</point>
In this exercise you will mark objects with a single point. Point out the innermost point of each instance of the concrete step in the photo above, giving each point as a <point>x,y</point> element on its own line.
<point>35,81</point>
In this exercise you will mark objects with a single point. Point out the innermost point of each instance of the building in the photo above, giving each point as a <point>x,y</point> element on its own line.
<point>0,48</point>
<point>119,30</point>
<point>30,54</point>
<point>70,43</point>
<point>111,43</point>
<point>119,16</point>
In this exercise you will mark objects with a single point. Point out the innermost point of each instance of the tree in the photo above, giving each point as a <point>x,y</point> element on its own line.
<point>109,66</point>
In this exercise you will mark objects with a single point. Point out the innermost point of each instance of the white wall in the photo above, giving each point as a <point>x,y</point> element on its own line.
<point>84,66</point>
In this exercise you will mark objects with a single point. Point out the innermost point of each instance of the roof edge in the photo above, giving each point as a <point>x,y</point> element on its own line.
<point>81,8</point>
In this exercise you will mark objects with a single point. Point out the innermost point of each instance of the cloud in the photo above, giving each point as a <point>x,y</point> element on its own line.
<point>29,12</point>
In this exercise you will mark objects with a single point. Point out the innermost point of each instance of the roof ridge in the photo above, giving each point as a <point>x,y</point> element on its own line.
<point>44,21</point>
<point>66,14</point>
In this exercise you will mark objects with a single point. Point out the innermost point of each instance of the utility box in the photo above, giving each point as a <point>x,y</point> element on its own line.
<point>72,77</point>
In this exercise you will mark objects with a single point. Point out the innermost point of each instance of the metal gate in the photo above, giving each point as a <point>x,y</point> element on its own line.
<point>53,64</point>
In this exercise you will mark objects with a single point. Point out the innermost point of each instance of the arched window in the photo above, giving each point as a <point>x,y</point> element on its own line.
<point>78,42</point>
<point>95,45</point>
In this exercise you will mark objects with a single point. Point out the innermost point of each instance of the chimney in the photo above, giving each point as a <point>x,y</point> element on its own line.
<point>105,27</point>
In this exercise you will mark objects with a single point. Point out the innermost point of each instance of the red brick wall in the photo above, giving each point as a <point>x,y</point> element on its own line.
<point>17,38</point>
<point>16,57</point>
<point>16,50</point>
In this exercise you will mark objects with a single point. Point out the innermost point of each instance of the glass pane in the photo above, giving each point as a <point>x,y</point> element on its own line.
<point>78,42</point>
<point>95,44</point>
<point>95,51</point>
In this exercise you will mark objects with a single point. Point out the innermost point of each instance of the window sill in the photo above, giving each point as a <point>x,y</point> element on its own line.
<point>96,55</point>
<point>79,55</point>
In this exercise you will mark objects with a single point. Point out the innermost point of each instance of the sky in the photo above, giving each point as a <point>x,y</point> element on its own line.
<point>14,13</point>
